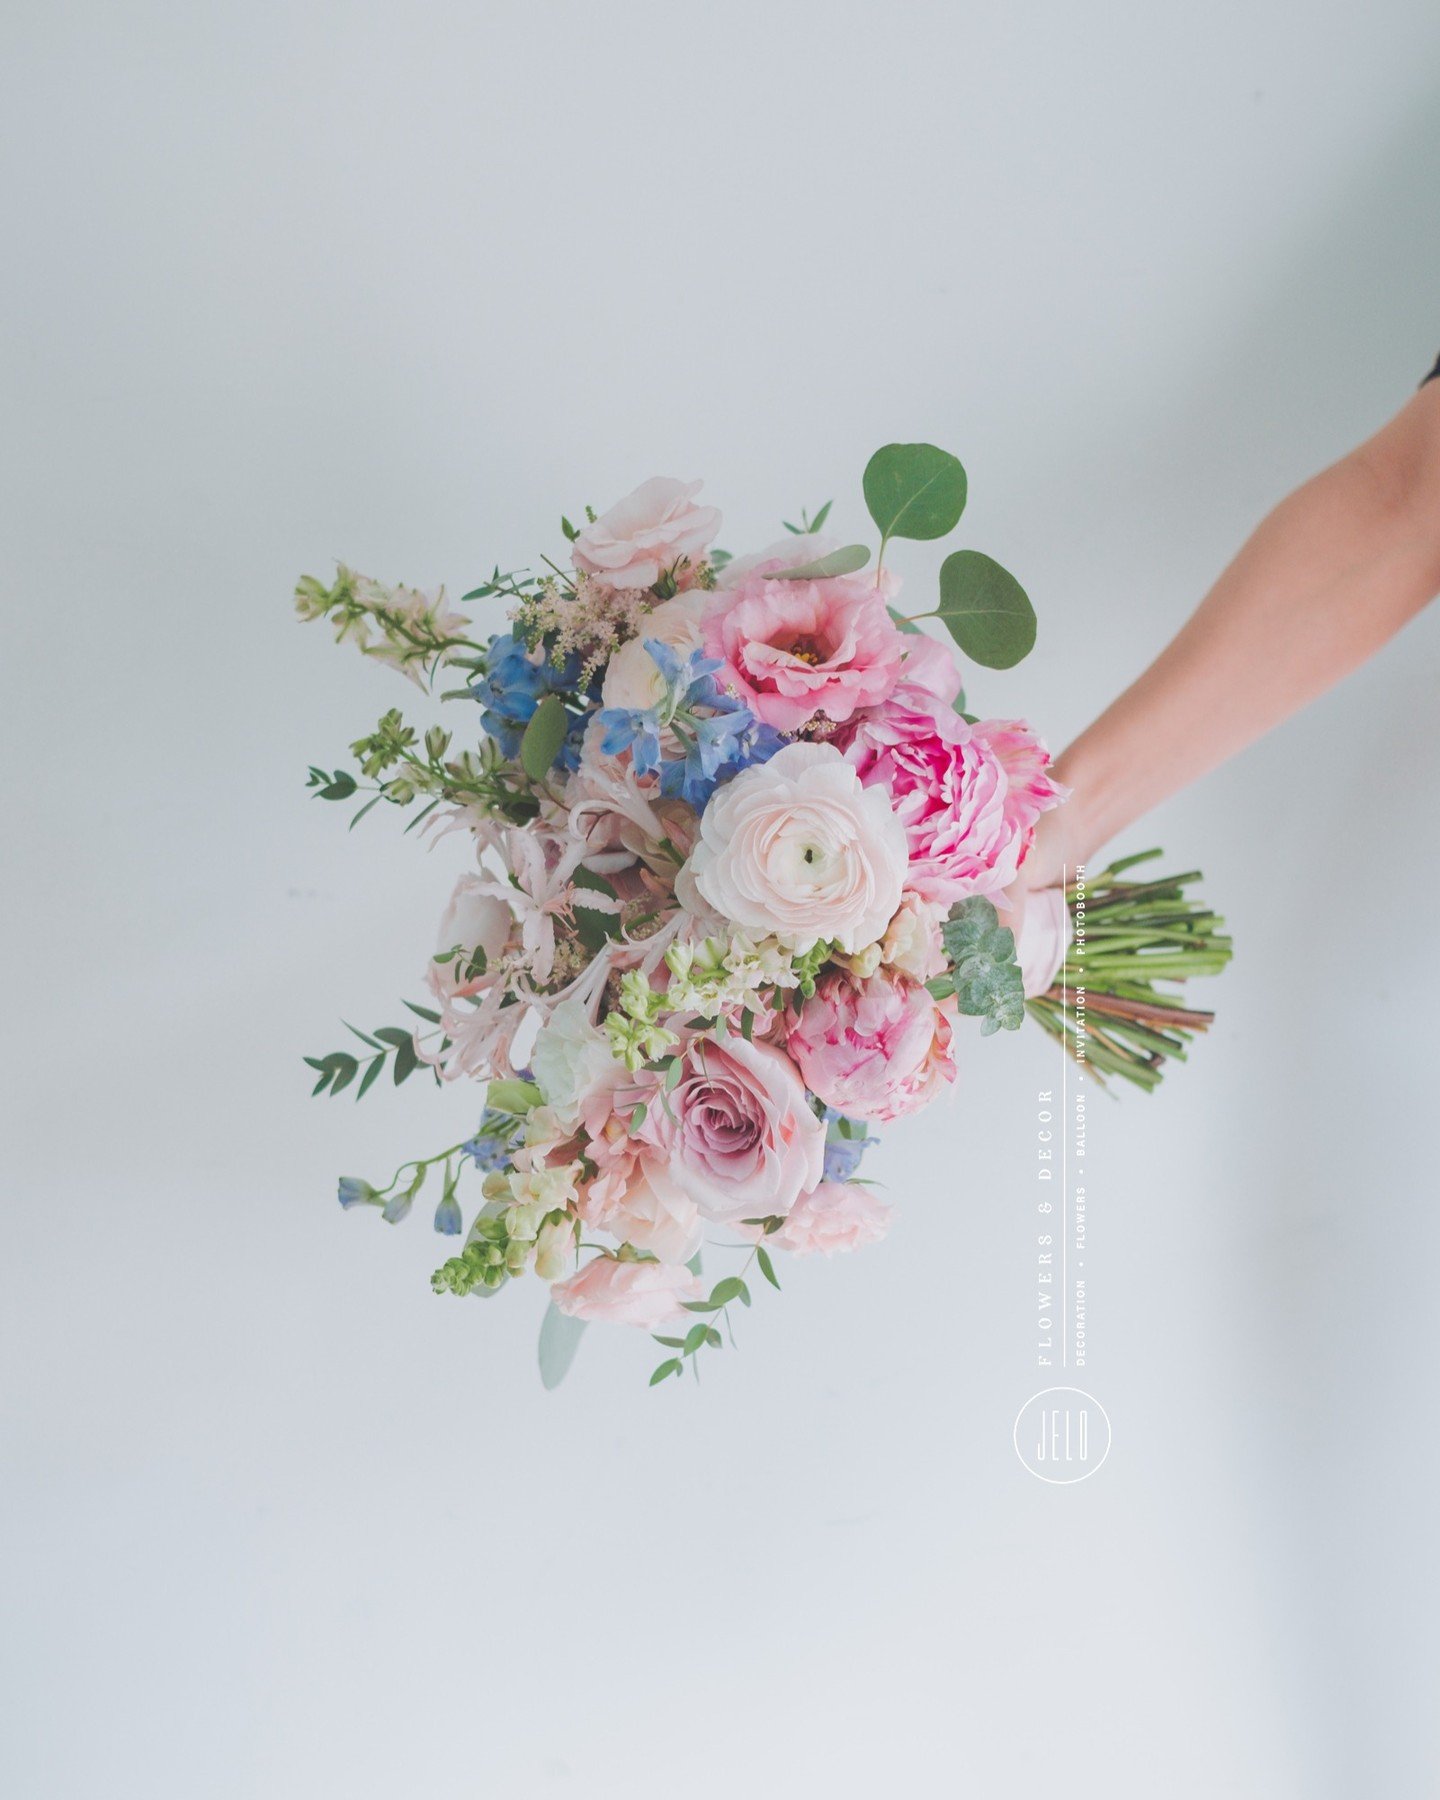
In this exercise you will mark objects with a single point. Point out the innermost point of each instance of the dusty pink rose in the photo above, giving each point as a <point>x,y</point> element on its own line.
<point>967,795</point>
<point>632,1197</point>
<point>738,1138</point>
<point>872,1049</point>
<point>837,1215</point>
<point>626,1293</point>
<point>794,650</point>
<point>646,533</point>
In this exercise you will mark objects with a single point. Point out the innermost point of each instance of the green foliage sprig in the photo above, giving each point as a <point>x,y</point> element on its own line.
<point>984,974</point>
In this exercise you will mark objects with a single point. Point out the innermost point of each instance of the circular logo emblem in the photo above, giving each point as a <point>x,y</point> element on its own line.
<point>1062,1434</point>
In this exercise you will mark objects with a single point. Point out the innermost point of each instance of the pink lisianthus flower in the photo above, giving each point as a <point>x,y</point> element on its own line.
<point>796,650</point>
<point>646,534</point>
<point>872,1049</point>
<point>837,1215</point>
<point>646,1294</point>
<point>968,796</point>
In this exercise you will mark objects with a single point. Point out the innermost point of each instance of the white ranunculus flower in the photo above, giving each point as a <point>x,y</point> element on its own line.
<point>631,678</point>
<point>570,1059</point>
<point>796,848</point>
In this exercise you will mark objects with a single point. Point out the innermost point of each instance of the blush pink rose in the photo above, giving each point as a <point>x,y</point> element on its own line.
<point>738,1139</point>
<point>646,533</point>
<point>838,1215</point>
<point>796,650</point>
<point>627,1293</point>
<point>968,796</point>
<point>872,1049</point>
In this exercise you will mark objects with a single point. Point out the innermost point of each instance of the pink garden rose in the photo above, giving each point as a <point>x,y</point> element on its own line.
<point>837,1215</point>
<point>739,1138</point>
<point>872,1049</point>
<point>627,1293</point>
<point>968,796</point>
<point>646,533</point>
<point>796,849</point>
<point>796,650</point>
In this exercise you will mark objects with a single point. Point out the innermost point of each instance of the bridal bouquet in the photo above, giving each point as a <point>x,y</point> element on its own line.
<point>738,853</point>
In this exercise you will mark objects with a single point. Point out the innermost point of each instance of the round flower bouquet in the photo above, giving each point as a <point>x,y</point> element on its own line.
<point>740,854</point>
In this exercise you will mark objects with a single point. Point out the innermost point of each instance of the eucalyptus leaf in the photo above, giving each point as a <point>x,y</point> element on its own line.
<point>914,491</point>
<point>986,975</point>
<point>543,737</point>
<point>844,561</point>
<point>986,610</point>
<point>560,1337</point>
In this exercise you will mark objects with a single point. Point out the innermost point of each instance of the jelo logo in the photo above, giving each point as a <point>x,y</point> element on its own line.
<point>1062,1435</point>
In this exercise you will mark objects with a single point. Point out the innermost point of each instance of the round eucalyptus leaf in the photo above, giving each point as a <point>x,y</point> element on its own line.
<point>560,1337</point>
<point>914,491</point>
<point>986,610</point>
<point>844,561</point>
<point>543,737</point>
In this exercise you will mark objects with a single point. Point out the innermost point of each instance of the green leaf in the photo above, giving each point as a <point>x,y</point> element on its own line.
<point>560,1337</point>
<point>422,1012</point>
<point>818,522</point>
<point>406,1061</point>
<point>844,561</point>
<point>512,1096</point>
<point>670,1343</point>
<point>393,1035</point>
<point>368,1079</point>
<point>695,1338</point>
<point>543,737</point>
<point>914,491</point>
<point>344,1074</point>
<point>986,610</point>
<point>696,1263</point>
<point>339,786</point>
<point>987,979</point>
<point>671,1366</point>
<point>731,1288</point>
<point>767,1268</point>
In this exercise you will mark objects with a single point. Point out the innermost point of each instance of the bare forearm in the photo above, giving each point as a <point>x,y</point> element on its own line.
<point>1328,578</point>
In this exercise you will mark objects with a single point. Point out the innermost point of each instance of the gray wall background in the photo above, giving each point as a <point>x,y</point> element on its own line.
<point>398,284</point>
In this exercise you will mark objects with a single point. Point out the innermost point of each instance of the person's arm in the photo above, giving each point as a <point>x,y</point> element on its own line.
<point>1328,578</point>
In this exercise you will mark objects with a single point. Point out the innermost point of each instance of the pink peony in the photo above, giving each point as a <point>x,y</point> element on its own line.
<point>838,1215</point>
<point>967,795</point>
<point>872,1049</point>
<point>796,650</point>
<point>626,1293</point>
<point>646,533</point>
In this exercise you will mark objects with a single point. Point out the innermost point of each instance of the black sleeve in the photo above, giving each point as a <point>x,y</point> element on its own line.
<point>1433,373</point>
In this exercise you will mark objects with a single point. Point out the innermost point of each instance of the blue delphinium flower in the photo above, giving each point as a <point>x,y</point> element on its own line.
<point>842,1154</point>
<point>355,1192</point>
<point>448,1221</point>
<point>715,743</point>
<point>514,684</point>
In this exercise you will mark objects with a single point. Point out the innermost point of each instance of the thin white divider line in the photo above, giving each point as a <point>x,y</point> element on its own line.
<point>1064,1151</point>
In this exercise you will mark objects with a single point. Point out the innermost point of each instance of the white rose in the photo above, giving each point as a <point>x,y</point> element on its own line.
<point>570,1059</point>
<point>795,848</point>
<point>646,533</point>
<point>631,677</point>
<point>475,921</point>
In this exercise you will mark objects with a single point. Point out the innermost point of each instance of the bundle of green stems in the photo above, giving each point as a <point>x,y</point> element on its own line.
<point>1104,1005</point>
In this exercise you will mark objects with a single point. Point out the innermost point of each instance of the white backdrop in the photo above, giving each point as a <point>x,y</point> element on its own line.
<point>285,283</point>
